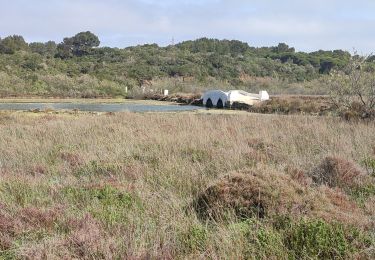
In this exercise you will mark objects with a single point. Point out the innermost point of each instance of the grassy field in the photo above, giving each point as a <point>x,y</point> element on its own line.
<point>186,186</point>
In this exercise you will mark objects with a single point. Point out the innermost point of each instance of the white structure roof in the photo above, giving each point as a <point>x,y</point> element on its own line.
<point>220,98</point>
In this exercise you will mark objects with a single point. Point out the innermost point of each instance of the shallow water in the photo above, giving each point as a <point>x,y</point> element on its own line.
<point>103,107</point>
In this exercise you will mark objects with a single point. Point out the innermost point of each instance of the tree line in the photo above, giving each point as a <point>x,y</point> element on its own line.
<point>201,61</point>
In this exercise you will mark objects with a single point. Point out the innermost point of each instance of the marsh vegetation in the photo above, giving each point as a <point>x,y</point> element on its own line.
<point>186,185</point>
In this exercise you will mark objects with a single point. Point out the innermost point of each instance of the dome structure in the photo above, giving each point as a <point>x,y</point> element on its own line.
<point>220,99</point>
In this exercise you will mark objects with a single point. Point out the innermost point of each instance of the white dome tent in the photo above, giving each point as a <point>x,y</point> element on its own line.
<point>220,99</point>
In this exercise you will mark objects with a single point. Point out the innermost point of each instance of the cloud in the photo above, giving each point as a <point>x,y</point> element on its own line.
<point>307,25</point>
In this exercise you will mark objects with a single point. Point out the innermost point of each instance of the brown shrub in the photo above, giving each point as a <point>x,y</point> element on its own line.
<point>334,205</point>
<point>350,115</point>
<point>357,111</point>
<point>250,194</point>
<point>267,193</point>
<point>337,172</point>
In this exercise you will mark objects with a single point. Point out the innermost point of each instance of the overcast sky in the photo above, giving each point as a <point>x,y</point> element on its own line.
<point>306,25</point>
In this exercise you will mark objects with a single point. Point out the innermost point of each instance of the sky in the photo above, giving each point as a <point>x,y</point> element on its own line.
<point>305,25</point>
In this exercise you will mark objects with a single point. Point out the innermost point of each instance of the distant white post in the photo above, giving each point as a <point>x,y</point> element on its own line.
<point>263,95</point>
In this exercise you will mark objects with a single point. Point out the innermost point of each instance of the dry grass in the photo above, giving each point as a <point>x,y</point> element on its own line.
<point>120,185</point>
<point>338,172</point>
<point>264,193</point>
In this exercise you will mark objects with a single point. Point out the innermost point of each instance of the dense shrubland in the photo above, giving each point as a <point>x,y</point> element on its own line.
<point>77,67</point>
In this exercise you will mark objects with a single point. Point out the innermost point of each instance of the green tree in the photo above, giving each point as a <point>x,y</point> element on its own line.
<point>283,47</point>
<point>37,47</point>
<point>83,43</point>
<point>79,45</point>
<point>11,44</point>
<point>47,49</point>
<point>353,88</point>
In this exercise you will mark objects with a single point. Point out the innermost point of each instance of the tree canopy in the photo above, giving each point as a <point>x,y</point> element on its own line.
<point>204,60</point>
<point>11,44</point>
<point>79,45</point>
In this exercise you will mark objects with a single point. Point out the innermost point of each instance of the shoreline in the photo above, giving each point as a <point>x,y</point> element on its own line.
<point>85,101</point>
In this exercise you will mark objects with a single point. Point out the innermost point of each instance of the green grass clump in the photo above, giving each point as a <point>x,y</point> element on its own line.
<point>107,203</point>
<point>95,169</point>
<point>261,240</point>
<point>362,193</point>
<point>195,238</point>
<point>304,239</point>
<point>24,194</point>
<point>369,164</point>
<point>318,239</point>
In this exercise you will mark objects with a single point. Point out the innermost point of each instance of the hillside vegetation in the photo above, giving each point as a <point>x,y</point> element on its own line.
<point>186,186</point>
<point>78,67</point>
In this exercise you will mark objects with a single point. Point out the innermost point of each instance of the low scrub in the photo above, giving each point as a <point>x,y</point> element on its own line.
<point>312,105</point>
<point>194,239</point>
<point>302,239</point>
<point>268,193</point>
<point>317,239</point>
<point>261,241</point>
<point>107,203</point>
<point>338,172</point>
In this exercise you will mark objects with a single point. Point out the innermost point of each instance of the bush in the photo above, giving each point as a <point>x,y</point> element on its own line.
<point>318,239</point>
<point>265,193</point>
<point>236,193</point>
<point>337,172</point>
<point>194,239</point>
<point>352,89</point>
<point>94,169</point>
<point>108,204</point>
<point>249,194</point>
<point>285,238</point>
<point>369,164</point>
<point>261,241</point>
<point>363,193</point>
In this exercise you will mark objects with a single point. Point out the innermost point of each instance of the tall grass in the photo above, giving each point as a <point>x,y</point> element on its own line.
<point>123,185</point>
